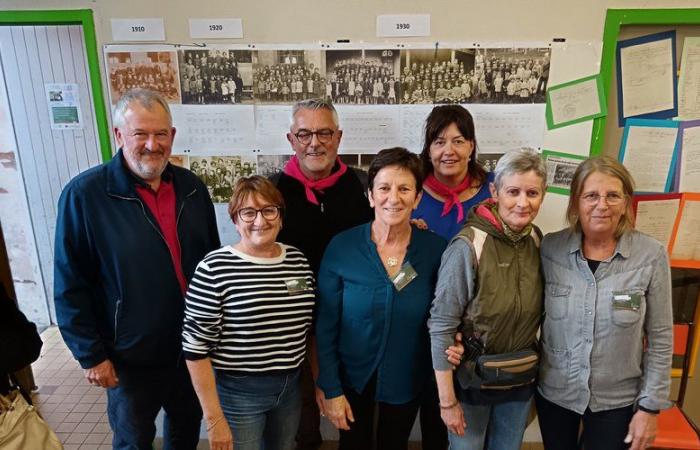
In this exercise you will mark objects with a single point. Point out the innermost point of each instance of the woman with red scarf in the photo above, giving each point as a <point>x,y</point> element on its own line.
<point>455,180</point>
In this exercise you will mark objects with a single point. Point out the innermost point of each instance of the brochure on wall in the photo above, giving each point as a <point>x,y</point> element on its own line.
<point>689,80</point>
<point>64,106</point>
<point>560,170</point>
<point>649,151</point>
<point>688,169</point>
<point>656,215</point>
<point>685,244</point>
<point>646,77</point>
<point>575,101</point>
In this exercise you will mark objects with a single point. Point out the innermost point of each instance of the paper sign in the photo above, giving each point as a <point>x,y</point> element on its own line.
<point>64,106</point>
<point>403,25</point>
<point>138,29</point>
<point>216,28</point>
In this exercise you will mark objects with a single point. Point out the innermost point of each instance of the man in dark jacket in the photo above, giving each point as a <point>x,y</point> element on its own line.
<point>128,238</point>
<point>323,198</point>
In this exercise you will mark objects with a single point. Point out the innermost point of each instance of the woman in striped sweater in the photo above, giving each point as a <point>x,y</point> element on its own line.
<point>248,310</point>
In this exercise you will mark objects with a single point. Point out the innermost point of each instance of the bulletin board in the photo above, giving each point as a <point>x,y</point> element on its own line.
<point>607,135</point>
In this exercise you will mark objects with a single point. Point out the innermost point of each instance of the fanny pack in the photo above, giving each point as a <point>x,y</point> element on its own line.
<point>499,371</point>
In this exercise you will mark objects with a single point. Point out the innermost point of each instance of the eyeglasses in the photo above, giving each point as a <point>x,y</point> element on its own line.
<point>248,215</point>
<point>612,198</point>
<point>305,136</point>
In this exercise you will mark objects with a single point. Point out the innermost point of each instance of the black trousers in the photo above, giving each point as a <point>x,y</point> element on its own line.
<point>394,422</point>
<point>604,430</point>
<point>432,428</point>
<point>309,434</point>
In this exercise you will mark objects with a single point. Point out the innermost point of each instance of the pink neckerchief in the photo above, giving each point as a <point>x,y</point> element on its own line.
<point>450,194</point>
<point>293,169</point>
<point>486,210</point>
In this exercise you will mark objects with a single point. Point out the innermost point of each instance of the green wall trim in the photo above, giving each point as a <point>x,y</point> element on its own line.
<point>615,19</point>
<point>82,17</point>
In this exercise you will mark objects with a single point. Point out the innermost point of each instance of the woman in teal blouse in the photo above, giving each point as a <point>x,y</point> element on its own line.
<point>376,283</point>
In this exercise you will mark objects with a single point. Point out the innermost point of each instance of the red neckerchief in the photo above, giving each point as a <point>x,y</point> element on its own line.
<point>293,169</point>
<point>486,210</point>
<point>450,194</point>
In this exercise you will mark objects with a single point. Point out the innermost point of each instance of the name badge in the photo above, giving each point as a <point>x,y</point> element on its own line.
<point>297,285</point>
<point>405,276</point>
<point>627,300</point>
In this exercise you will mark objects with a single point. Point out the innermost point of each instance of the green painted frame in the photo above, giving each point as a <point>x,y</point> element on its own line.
<point>614,20</point>
<point>74,17</point>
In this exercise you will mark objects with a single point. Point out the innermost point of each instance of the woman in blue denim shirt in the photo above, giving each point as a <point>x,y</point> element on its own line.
<point>607,297</point>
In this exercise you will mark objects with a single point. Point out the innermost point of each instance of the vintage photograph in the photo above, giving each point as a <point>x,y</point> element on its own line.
<point>362,77</point>
<point>510,75</point>
<point>436,76</point>
<point>560,170</point>
<point>157,71</point>
<point>269,165</point>
<point>287,76</point>
<point>220,173</point>
<point>216,76</point>
<point>179,160</point>
<point>489,160</point>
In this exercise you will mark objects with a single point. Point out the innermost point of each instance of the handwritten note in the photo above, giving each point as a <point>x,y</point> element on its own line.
<point>647,77</point>
<point>687,244</point>
<point>689,80</point>
<point>574,102</point>
<point>656,218</point>
<point>690,160</point>
<point>648,154</point>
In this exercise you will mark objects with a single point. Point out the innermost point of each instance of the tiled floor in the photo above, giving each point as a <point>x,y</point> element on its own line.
<point>76,410</point>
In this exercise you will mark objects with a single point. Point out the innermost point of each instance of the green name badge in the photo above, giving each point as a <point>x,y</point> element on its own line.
<point>627,300</point>
<point>405,276</point>
<point>297,285</point>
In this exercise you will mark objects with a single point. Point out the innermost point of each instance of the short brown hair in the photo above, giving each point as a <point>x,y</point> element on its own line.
<point>255,185</point>
<point>399,157</point>
<point>607,166</point>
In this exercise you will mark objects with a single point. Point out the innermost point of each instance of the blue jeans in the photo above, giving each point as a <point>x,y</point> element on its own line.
<point>500,426</point>
<point>133,405</point>
<point>262,410</point>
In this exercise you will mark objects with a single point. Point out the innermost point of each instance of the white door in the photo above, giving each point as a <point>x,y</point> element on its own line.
<point>45,158</point>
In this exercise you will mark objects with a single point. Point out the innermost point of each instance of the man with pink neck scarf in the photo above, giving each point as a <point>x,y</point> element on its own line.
<point>323,198</point>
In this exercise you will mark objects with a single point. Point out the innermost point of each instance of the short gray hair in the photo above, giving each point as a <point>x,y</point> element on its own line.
<point>145,97</point>
<point>314,104</point>
<point>522,160</point>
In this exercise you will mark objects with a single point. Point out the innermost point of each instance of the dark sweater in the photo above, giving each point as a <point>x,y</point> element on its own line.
<point>20,343</point>
<point>310,227</point>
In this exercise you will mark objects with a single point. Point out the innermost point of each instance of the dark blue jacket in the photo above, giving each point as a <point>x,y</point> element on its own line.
<point>115,288</point>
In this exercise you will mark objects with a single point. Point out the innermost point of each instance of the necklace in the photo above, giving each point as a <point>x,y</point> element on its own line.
<point>392,261</point>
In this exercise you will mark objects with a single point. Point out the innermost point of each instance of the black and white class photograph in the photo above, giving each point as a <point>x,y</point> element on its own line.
<point>510,75</point>
<point>437,76</point>
<point>269,165</point>
<point>288,76</point>
<point>220,173</point>
<point>217,76</point>
<point>362,77</point>
<point>488,160</point>
<point>156,71</point>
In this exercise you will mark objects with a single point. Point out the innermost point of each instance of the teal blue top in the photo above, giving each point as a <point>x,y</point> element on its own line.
<point>365,326</point>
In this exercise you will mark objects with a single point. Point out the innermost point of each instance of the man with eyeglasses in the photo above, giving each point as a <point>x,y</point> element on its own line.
<point>323,198</point>
<point>129,236</point>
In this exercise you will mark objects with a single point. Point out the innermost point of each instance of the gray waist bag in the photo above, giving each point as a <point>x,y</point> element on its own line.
<point>500,371</point>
